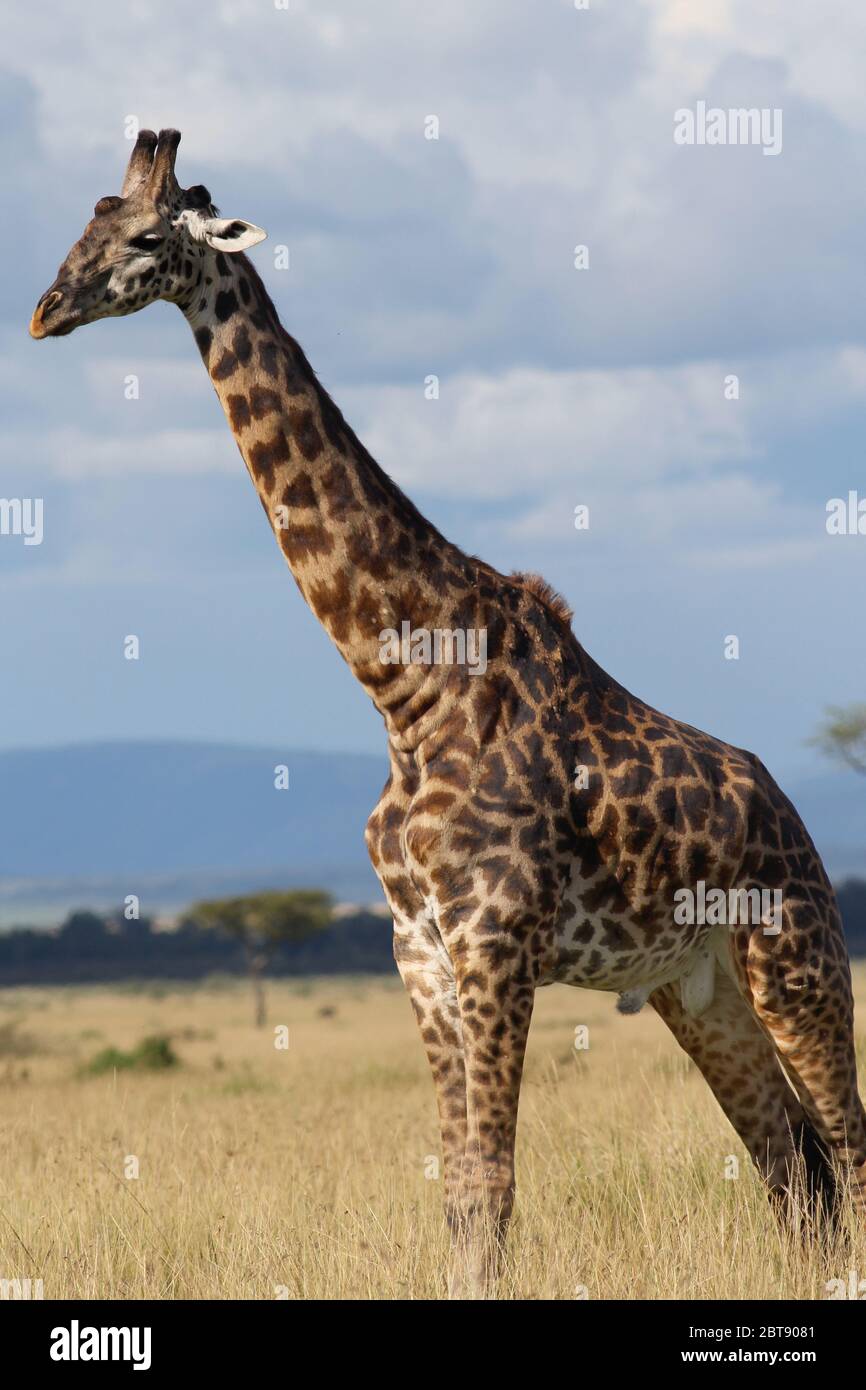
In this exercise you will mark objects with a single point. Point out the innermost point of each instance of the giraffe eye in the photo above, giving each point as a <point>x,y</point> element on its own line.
<point>147,241</point>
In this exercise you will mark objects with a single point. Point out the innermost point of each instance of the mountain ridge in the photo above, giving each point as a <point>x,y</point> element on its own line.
<point>85,824</point>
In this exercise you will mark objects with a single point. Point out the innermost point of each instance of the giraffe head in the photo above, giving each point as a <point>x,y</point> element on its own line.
<point>152,242</point>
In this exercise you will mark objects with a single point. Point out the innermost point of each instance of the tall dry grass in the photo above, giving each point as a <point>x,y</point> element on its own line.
<point>307,1172</point>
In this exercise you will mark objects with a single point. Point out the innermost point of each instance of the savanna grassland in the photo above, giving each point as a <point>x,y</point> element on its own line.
<point>306,1172</point>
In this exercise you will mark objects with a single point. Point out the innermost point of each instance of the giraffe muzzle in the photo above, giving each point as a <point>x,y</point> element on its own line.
<point>47,304</point>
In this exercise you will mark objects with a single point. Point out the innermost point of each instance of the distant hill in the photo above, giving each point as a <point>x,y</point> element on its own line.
<point>88,824</point>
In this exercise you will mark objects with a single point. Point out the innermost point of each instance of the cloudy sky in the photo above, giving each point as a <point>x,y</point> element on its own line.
<point>411,256</point>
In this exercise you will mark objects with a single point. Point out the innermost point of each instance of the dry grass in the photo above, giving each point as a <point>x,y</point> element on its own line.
<point>302,1172</point>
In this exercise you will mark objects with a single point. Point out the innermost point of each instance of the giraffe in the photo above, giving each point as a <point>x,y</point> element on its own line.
<point>539,823</point>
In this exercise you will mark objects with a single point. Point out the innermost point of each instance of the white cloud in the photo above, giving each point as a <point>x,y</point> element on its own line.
<point>521,431</point>
<point>76,453</point>
<point>529,432</point>
<point>821,49</point>
<point>556,127</point>
<point>411,257</point>
<point>167,377</point>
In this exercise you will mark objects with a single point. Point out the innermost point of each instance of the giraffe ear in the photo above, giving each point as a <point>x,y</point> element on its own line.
<point>231,233</point>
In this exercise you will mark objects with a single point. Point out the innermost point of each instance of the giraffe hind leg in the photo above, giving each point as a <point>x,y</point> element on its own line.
<point>804,1001</point>
<point>740,1064</point>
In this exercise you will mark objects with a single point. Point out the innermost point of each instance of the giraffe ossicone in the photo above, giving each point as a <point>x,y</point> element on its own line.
<point>504,870</point>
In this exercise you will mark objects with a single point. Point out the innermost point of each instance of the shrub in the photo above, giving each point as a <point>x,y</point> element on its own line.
<point>151,1054</point>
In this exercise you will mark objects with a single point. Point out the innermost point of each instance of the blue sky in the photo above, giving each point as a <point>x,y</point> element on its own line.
<point>453,257</point>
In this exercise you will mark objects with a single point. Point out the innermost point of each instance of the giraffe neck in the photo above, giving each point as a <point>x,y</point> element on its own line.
<point>363,557</point>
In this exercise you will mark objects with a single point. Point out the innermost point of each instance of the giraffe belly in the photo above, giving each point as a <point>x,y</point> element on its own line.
<point>611,951</point>
<point>696,980</point>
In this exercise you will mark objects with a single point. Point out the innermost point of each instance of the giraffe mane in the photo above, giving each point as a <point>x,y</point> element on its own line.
<point>546,595</point>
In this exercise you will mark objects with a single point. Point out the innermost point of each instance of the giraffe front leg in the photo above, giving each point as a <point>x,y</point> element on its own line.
<point>495,996</point>
<point>428,976</point>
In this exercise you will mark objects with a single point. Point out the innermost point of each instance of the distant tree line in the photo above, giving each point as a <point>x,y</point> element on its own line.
<point>852,905</point>
<point>277,934</point>
<point>274,934</point>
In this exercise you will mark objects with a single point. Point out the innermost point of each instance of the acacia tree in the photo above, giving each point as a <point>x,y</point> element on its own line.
<point>842,735</point>
<point>261,922</point>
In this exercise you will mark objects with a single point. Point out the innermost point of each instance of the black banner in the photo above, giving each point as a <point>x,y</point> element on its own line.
<point>151,1339</point>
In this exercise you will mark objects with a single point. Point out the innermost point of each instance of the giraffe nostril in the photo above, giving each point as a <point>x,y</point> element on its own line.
<point>48,302</point>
